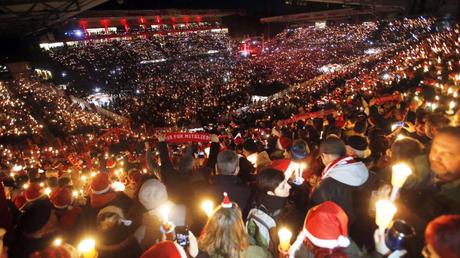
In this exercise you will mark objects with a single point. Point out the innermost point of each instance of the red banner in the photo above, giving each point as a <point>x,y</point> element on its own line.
<point>187,137</point>
<point>389,98</point>
<point>316,114</point>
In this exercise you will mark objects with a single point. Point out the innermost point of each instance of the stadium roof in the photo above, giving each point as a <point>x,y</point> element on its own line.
<point>26,17</point>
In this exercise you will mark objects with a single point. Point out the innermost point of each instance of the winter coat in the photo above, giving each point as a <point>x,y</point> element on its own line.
<point>234,187</point>
<point>149,232</point>
<point>118,242</point>
<point>339,184</point>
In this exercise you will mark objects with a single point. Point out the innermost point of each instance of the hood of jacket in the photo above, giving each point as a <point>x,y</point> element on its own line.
<point>353,174</point>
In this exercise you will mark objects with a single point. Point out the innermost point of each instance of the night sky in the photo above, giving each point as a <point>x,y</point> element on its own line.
<point>253,7</point>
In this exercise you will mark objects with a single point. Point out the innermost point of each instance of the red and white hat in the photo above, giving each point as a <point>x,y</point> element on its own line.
<point>61,198</point>
<point>110,163</point>
<point>326,226</point>
<point>226,203</point>
<point>100,183</point>
<point>33,192</point>
<point>165,249</point>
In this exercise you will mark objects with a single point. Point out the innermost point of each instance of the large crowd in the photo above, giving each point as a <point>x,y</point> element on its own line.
<point>181,77</point>
<point>362,161</point>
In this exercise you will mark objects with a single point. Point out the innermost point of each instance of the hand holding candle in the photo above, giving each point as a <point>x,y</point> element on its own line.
<point>87,248</point>
<point>208,207</point>
<point>385,211</point>
<point>285,239</point>
<point>400,172</point>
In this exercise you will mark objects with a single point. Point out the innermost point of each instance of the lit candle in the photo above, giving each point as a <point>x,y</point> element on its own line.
<point>400,172</point>
<point>118,186</point>
<point>57,242</point>
<point>48,191</point>
<point>208,207</point>
<point>87,249</point>
<point>385,211</point>
<point>285,239</point>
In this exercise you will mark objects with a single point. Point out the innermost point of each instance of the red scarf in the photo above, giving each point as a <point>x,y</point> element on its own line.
<point>335,163</point>
<point>330,166</point>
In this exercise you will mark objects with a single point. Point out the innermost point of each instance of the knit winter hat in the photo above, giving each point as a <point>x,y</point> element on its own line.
<point>165,249</point>
<point>61,198</point>
<point>152,194</point>
<point>100,183</point>
<point>33,192</point>
<point>326,226</point>
<point>299,150</point>
<point>359,146</point>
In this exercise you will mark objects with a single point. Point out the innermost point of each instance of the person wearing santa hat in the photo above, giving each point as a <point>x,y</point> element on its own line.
<point>324,234</point>
<point>103,195</point>
<point>224,234</point>
<point>165,249</point>
<point>69,215</point>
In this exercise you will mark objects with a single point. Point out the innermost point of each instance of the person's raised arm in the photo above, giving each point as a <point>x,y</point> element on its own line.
<point>213,152</point>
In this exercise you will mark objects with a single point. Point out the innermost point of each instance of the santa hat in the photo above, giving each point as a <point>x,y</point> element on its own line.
<point>110,163</point>
<point>57,251</point>
<point>33,192</point>
<point>283,143</point>
<point>165,249</point>
<point>326,226</point>
<point>281,164</point>
<point>19,201</point>
<point>226,203</point>
<point>61,198</point>
<point>100,183</point>
<point>238,139</point>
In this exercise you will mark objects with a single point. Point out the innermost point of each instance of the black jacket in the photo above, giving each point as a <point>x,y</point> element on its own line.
<point>332,190</point>
<point>237,191</point>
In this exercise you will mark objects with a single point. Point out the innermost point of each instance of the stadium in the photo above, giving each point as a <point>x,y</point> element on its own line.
<point>229,129</point>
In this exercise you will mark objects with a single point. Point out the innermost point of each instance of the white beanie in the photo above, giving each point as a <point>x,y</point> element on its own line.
<point>152,194</point>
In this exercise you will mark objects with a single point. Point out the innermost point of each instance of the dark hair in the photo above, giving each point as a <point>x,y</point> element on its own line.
<point>227,162</point>
<point>268,179</point>
<point>360,126</point>
<point>443,234</point>
<point>437,120</point>
<point>406,149</point>
<point>250,146</point>
<point>333,145</point>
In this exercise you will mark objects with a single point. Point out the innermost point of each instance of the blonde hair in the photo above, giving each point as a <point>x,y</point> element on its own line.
<point>224,234</point>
